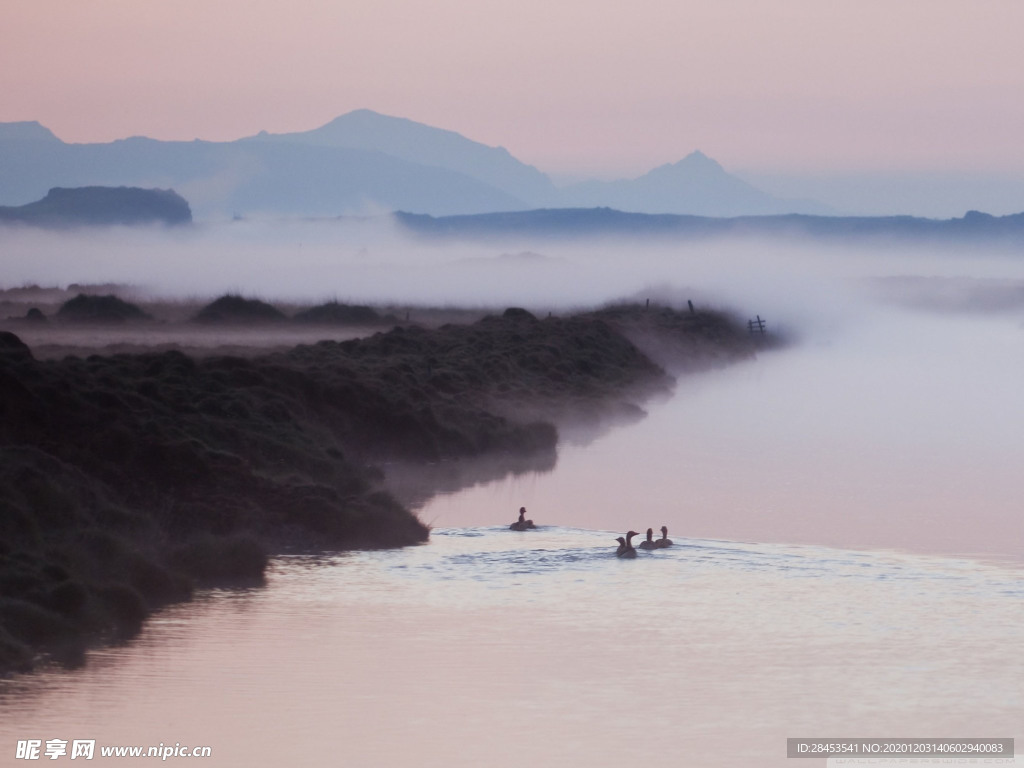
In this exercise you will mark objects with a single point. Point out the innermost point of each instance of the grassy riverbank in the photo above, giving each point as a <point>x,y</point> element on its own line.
<point>126,480</point>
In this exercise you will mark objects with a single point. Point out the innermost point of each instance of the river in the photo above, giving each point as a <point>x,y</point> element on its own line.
<point>848,562</point>
<point>800,599</point>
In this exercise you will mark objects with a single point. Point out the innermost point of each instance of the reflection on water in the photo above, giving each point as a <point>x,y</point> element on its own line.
<point>903,432</point>
<point>415,484</point>
<point>492,647</point>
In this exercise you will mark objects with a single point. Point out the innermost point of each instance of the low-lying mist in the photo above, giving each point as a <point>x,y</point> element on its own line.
<point>372,261</point>
<point>893,420</point>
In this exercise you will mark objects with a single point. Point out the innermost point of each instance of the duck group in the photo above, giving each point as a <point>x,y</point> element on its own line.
<point>626,548</point>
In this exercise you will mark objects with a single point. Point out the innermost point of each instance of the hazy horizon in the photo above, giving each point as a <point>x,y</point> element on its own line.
<point>574,89</point>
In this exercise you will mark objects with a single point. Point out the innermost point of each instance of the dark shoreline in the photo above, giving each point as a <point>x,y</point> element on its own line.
<point>128,480</point>
<point>582,223</point>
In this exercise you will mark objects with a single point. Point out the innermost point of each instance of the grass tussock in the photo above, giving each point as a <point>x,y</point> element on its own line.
<point>337,313</point>
<point>87,308</point>
<point>235,309</point>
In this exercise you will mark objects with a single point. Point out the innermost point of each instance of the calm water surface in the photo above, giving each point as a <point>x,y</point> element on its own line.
<point>490,647</point>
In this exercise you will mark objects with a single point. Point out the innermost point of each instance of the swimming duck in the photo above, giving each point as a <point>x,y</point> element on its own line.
<point>664,541</point>
<point>649,542</point>
<point>522,524</point>
<point>626,548</point>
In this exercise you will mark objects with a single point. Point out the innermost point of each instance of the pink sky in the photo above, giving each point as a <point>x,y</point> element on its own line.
<point>596,87</point>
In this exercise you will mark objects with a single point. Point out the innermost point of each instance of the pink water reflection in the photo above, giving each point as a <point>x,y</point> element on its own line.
<point>911,444</point>
<point>448,655</point>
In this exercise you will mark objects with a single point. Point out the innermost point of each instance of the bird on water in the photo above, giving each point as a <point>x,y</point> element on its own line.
<point>664,541</point>
<point>522,524</point>
<point>626,548</point>
<point>649,542</point>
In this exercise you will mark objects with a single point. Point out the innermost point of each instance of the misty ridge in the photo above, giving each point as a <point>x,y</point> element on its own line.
<point>380,261</point>
<point>69,208</point>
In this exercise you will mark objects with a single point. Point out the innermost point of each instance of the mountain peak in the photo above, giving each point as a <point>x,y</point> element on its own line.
<point>697,161</point>
<point>699,157</point>
<point>400,137</point>
<point>363,117</point>
<point>369,130</point>
<point>695,167</point>
<point>695,185</point>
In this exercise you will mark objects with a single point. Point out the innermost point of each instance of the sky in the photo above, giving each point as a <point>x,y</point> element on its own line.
<point>591,88</point>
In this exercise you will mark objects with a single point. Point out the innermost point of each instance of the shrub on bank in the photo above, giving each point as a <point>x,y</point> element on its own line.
<point>336,313</point>
<point>109,309</point>
<point>233,309</point>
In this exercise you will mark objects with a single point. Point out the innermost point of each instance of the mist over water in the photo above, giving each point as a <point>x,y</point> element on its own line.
<point>884,449</point>
<point>373,260</point>
<point>892,420</point>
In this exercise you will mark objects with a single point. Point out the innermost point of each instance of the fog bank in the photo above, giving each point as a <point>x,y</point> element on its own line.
<point>893,421</point>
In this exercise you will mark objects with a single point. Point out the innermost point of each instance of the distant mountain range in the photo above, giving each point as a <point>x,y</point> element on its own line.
<point>105,206</point>
<point>360,162</point>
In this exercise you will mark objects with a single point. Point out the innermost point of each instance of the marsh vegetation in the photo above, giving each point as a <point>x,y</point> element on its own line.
<point>129,479</point>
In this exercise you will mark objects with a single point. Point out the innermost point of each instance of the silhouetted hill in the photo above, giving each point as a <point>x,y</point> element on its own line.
<point>101,206</point>
<point>593,222</point>
<point>425,145</point>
